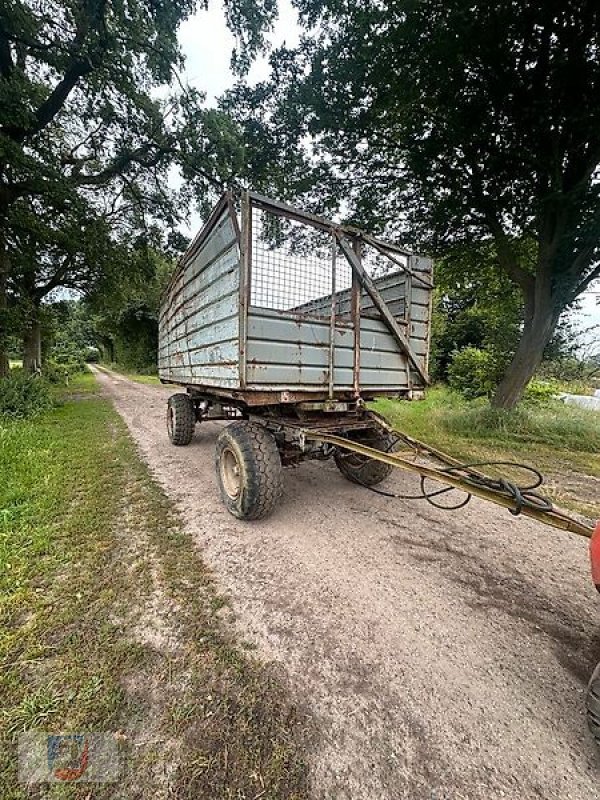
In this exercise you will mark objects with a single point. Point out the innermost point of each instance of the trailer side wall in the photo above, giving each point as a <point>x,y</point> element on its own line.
<point>199,322</point>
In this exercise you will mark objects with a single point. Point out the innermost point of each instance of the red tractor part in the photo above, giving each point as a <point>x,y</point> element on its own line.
<point>595,555</point>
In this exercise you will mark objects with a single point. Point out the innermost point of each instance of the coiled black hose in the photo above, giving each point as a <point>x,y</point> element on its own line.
<point>523,496</point>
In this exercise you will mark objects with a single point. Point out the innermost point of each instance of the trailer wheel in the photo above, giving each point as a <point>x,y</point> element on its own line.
<point>593,704</point>
<point>249,470</point>
<point>181,419</point>
<point>363,470</point>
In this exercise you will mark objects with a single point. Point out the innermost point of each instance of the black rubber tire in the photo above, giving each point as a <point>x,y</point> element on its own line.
<point>363,470</point>
<point>593,704</point>
<point>181,419</point>
<point>260,472</point>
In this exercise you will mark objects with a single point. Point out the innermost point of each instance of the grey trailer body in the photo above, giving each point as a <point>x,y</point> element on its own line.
<point>284,307</point>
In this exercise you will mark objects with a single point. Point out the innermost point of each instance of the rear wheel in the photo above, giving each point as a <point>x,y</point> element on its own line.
<point>181,419</point>
<point>593,704</point>
<point>249,470</point>
<point>361,469</point>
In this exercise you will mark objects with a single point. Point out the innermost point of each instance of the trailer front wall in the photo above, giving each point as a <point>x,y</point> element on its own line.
<point>284,352</point>
<point>290,350</point>
<point>199,332</point>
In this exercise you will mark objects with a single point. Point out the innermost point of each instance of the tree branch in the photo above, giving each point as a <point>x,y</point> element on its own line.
<point>122,161</point>
<point>81,64</point>
<point>6,61</point>
<point>583,285</point>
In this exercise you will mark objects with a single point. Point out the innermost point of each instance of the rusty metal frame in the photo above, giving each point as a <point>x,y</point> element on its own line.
<point>360,278</point>
<point>355,317</point>
<point>380,305</point>
<point>331,354</point>
<point>224,202</point>
<point>245,279</point>
<point>350,240</point>
<point>285,210</point>
<point>385,251</point>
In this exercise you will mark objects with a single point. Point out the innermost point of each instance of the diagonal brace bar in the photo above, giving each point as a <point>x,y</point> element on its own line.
<point>380,305</point>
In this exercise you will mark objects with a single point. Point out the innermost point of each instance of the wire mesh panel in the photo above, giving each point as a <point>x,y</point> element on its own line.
<point>293,265</point>
<point>377,264</point>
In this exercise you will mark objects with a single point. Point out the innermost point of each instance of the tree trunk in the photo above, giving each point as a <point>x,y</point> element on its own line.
<point>536,335</point>
<point>32,347</point>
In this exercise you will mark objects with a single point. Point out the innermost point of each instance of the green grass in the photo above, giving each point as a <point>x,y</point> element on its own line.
<point>80,386</point>
<point>109,621</point>
<point>562,441</point>
<point>138,377</point>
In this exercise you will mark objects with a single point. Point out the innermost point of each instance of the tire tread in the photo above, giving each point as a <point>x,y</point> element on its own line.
<point>262,467</point>
<point>185,419</point>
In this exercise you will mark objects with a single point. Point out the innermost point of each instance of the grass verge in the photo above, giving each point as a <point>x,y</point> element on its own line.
<point>109,621</point>
<point>138,377</point>
<point>562,441</point>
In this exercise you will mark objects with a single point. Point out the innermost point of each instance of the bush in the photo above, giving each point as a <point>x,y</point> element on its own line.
<point>473,372</point>
<point>24,395</point>
<point>60,368</point>
<point>538,392</point>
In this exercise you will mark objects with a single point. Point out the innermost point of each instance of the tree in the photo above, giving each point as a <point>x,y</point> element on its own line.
<point>72,249</point>
<point>123,306</point>
<point>455,122</point>
<point>80,114</point>
<point>473,307</point>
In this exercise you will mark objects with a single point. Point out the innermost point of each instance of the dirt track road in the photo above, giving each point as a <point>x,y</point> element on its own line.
<point>441,655</point>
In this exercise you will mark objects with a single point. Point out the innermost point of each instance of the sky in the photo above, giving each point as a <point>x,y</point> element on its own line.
<point>207,45</point>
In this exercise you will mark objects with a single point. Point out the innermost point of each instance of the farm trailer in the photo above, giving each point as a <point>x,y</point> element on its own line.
<point>286,324</point>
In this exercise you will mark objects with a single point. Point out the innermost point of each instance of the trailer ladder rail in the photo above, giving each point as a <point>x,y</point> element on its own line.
<point>472,481</point>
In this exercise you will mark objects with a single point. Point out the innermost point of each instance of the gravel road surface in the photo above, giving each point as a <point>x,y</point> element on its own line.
<point>440,655</point>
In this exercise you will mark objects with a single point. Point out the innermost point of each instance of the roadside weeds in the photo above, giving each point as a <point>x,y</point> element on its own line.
<point>111,622</point>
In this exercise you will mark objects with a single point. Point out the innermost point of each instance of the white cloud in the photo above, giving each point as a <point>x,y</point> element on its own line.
<point>207,44</point>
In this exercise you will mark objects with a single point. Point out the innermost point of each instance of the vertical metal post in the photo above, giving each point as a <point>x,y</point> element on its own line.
<point>408,298</point>
<point>245,278</point>
<point>355,314</point>
<point>332,318</point>
<point>430,313</point>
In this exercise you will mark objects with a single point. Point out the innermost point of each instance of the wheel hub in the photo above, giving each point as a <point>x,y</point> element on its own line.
<point>231,473</point>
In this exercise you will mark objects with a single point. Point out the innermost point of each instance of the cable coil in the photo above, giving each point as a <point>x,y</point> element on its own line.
<point>523,496</point>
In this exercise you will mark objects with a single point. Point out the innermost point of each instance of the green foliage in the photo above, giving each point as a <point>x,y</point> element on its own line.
<point>123,311</point>
<point>539,392</point>
<point>24,395</point>
<point>94,119</point>
<point>474,306</point>
<point>551,424</point>
<point>62,369</point>
<point>473,372</point>
<point>451,124</point>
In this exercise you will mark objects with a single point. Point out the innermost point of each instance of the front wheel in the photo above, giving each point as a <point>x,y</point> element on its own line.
<point>181,419</point>
<point>593,704</point>
<point>249,470</point>
<point>361,469</point>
